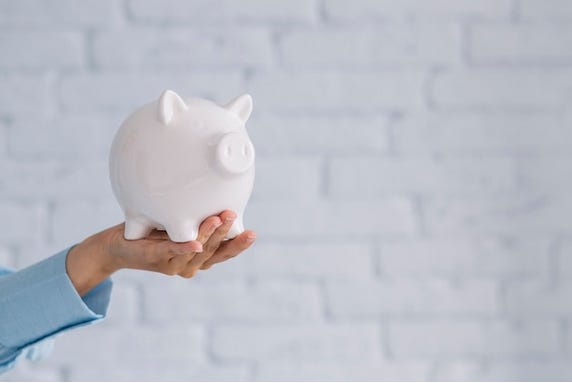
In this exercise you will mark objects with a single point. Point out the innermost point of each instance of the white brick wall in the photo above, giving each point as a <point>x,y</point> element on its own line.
<point>372,47</point>
<point>183,49</point>
<point>399,297</point>
<point>516,89</point>
<point>412,198</point>
<point>521,44</point>
<point>555,11</point>
<point>58,50</point>
<point>304,135</point>
<point>225,12</point>
<point>338,92</point>
<point>67,13</point>
<point>473,133</point>
<point>418,10</point>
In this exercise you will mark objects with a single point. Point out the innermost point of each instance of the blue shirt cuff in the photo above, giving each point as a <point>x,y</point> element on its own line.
<point>40,301</point>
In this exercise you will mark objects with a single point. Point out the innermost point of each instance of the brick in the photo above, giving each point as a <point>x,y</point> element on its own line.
<point>121,93</point>
<point>527,339</point>
<point>520,44</point>
<point>390,217</point>
<point>41,50</point>
<point>313,135</point>
<point>538,299</point>
<point>49,180</point>
<point>351,177</point>
<point>390,46</point>
<point>24,222</point>
<point>404,297</point>
<point>226,11</point>
<point>183,49</point>
<point>25,94</point>
<point>552,11</point>
<point>223,302</point>
<point>291,343</point>
<point>329,261</point>
<point>471,338</point>
<point>130,346</point>
<point>72,137</point>
<point>166,370</point>
<point>470,133</point>
<point>502,89</point>
<point>275,178</point>
<point>339,92</point>
<point>543,175</point>
<point>435,338</point>
<point>69,223</point>
<point>417,10</point>
<point>554,369</point>
<point>482,256</point>
<point>458,370</point>
<point>90,13</point>
<point>28,371</point>
<point>528,214</point>
<point>344,371</point>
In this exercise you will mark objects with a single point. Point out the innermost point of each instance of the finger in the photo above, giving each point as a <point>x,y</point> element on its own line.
<point>149,255</point>
<point>231,248</point>
<point>178,263</point>
<point>195,263</point>
<point>213,241</point>
<point>171,257</point>
<point>227,217</point>
<point>208,227</point>
<point>184,247</point>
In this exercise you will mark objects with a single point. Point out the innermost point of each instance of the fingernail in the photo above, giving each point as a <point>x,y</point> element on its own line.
<point>229,219</point>
<point>251,237</point>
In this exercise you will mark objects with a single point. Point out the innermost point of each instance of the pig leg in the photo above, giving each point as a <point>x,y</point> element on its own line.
<point>136,228</point>
<point>236,228</point>
<point>183,231</point>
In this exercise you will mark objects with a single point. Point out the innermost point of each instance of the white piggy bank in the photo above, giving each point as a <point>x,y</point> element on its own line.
<point>174,162</point>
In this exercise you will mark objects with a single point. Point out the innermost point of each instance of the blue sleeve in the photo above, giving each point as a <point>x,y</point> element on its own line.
<point>40,302</point>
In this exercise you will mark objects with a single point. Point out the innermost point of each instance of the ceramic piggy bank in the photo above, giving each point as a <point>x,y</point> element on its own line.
<point>174,162</point>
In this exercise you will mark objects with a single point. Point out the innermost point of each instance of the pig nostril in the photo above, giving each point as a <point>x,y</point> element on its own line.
<point>228,151</point>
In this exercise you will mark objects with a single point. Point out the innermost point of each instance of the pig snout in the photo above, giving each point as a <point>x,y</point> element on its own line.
<point>235,153</point>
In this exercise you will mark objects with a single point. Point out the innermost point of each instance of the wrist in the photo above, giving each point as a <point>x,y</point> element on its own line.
<point>88,263</point>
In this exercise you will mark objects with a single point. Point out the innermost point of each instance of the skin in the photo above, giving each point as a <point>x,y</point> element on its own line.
<point>97,257</point>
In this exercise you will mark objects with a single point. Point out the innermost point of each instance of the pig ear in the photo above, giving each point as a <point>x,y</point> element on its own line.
<point>170,104</point>
<point>241,106</point>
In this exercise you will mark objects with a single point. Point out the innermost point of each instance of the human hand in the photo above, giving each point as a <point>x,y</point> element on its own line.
<point>100,255</point>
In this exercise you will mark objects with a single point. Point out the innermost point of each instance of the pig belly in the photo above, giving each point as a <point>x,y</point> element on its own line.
<point>181,212</point>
